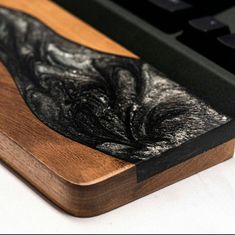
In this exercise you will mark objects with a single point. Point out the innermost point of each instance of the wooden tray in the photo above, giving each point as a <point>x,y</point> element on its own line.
<point>83,181</point>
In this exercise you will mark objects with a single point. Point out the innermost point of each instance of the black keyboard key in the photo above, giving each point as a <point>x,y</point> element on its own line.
<point>171,6</point>
<point>208,26</point>
<point>211,6</point>
<point>201,34</point>
<point>228,41</point>
<point>226,51</point>
<point>170,15</point>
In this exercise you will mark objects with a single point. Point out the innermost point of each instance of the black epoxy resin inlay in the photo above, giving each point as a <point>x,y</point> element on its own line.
<point>121,106</point>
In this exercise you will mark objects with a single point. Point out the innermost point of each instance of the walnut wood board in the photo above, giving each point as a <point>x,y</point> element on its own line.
<point>79,179</point>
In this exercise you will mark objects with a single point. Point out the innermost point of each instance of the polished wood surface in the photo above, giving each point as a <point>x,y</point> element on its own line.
<point>63,156</point>
<point>81,180</point>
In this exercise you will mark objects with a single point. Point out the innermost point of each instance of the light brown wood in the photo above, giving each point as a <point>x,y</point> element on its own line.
<point>81,180</point>
<point>61,155</point>
<point>95,199</point>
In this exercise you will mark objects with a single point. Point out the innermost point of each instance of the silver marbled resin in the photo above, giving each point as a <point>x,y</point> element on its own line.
<point>121,106</point>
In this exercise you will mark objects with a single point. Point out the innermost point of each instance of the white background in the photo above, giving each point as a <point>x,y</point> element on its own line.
<point>204,203</point>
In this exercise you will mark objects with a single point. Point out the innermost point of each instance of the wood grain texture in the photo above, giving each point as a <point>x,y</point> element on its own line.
<point>63,156</point>
<point>83,181</point>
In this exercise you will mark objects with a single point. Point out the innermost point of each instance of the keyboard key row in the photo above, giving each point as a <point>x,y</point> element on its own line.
<point>211,38</point>
<point>205,34</point>
<point>172,15</point>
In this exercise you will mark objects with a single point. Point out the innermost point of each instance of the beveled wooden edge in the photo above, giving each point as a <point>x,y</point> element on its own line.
<point>100,197</point>
<point>75,198</point>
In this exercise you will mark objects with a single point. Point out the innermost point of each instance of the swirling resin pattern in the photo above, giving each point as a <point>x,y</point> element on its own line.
<point>121,106</point>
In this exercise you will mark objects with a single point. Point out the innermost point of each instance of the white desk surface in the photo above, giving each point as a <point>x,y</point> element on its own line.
<point>204,203</point>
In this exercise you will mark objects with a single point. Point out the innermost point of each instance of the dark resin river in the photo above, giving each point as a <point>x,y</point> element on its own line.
<point>121,106</point>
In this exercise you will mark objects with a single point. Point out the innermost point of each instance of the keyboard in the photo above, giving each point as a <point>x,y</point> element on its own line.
<point>206,26</point>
